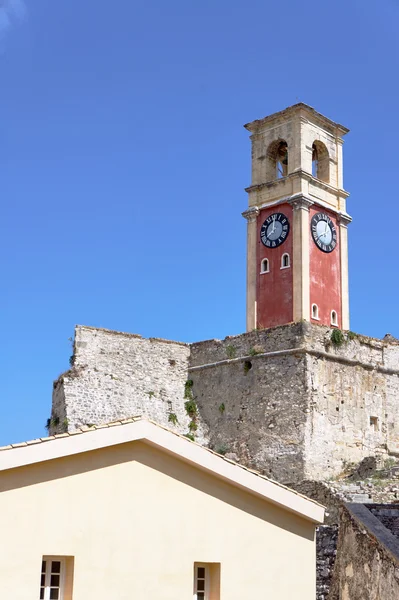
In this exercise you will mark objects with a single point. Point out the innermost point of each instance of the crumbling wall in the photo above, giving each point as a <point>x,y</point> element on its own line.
<point>117,375</point>
<point>255,410</point>
<point>353,394</point>
<point>287,401</point>
<point>326,551</point>
<point>367,563</point>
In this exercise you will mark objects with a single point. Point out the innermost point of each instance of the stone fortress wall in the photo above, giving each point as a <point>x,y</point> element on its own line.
<point>117,375</point>
<point>286,401</point>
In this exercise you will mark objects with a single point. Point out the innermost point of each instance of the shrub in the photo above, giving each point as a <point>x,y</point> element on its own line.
<point>172,418</point>
<point>337,337</point>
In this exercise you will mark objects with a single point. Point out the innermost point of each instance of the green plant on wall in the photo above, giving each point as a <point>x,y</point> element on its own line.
<point>255,350</point>
<point>192,426</point>
<point>188,389</point>
<point>189,436</point>
<point>337,337</point>
<point>231,351</point>
<point>223,449</point>
<point>53,421</point>
<point>191,408</point>
<point>222,408</point>
<point>172,418</point>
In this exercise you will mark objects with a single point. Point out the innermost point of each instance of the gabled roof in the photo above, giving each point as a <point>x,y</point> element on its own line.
<point>96,437</point>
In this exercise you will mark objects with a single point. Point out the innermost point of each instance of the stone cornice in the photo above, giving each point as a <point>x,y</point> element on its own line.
<point>299,109</point>
<point>301,351</point>
<point>300,173</point>
<point>299,201</point>
<point>251,214</point>
<point>345,218</point>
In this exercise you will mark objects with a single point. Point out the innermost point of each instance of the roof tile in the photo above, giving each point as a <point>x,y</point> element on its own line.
<point>121,422</point>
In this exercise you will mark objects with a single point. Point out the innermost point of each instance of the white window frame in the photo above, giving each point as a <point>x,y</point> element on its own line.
<point>283,266</point>
<point>47,586</point>
<point>207,580</point>
<point>334,321</point>
<point>261,266</point>
<point>316,318</point>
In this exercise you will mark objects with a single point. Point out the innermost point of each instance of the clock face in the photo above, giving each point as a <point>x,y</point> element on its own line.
<point>274,230</point>
<point>323,232</point>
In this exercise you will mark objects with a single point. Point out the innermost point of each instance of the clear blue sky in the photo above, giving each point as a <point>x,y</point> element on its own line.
<point>123,163</point>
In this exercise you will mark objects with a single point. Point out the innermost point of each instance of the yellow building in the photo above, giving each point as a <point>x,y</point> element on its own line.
<point>132,511</point>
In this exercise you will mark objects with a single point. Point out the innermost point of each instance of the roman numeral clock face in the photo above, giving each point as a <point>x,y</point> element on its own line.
<point>274,230</point>
<point>323,232</point>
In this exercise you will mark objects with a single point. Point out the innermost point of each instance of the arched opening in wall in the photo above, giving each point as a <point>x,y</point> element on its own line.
<point>277,160</point>
<point>247,366</point>
<point>334,318</point>
<point>282,160</point>
<point>264,265</point>
<point>285,261</point>
<point>320,161</point>
<point>315,311</point>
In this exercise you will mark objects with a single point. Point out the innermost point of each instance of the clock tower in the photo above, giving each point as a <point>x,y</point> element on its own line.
<point>297,245</point>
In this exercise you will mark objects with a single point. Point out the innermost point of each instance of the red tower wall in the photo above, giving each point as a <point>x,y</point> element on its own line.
<point>325,276</point>
<point>274,289</point>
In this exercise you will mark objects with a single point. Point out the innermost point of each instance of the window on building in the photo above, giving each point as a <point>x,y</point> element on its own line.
<point>374,423</point>
<point>264,266</point>
<point>56,578</point>
<point>206,581</point>
<point>334,318</point>
<point>320,161</point>
<point>315,311</point>
<point>285,261</point>
<point>282,160</point>
<point>201,582</point>
<point>51,580</point>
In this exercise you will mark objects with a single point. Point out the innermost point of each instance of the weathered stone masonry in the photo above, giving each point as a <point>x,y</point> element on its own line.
<point>286,400</point>
<point>116,375</point>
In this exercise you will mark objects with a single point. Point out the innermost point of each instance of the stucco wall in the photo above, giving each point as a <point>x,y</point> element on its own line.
<point>135,520</point>
<point>275,288</point>
<point>325,274</point>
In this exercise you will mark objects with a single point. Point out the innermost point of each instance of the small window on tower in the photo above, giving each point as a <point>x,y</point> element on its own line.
<point>282,160</point>
<point>285,261</point>
<point>334,318</point>
<point>315,312</point>
<point>264,268</point>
